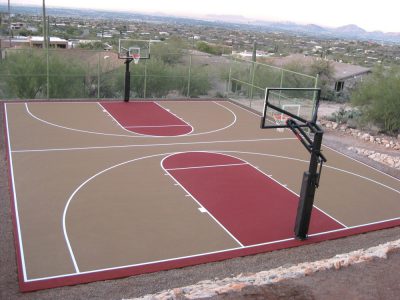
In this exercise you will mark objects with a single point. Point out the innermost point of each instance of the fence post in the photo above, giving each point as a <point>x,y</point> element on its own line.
<point>190,75</point>
<point>98,76</point>
<point>315,94</point>
<point>280,86</point>
<point>145,79</point>
<point>47,74</point>
<point>229,87</point>
<point>252,82</point>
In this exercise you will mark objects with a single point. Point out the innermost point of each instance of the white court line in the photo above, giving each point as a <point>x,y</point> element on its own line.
<point>125,128</point>
<point>238,105</point>
<point>197,255</point>
<point>149,145</point>
<point>73,129</point>
<point>327,166</point>
<point>103,109</point>
<point>283,185</point>
<point>156,126</point>
<point>64,226</point>
<point>360,162</point>
<point>205,253</point>
<point>14,191</point>
<point>179,118</point>
<point>198,203</point>
<point>223,128</point>
<point>137,134</point>
<point>366,178</point>
<point>340,153</point>
<point>205,167</point>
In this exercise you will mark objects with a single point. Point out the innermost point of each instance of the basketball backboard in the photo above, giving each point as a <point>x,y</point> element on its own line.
<point>129,49</point>
<point>282,104</point>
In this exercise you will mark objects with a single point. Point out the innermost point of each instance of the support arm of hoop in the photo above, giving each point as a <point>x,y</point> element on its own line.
<point>303,137</point>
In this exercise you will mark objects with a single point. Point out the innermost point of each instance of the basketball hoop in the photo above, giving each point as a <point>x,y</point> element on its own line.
<point>280,119</point>
<point>136,58</point>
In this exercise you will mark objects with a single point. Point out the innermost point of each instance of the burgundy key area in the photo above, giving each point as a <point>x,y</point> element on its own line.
<point>147,118</point>
<point>253,207</point>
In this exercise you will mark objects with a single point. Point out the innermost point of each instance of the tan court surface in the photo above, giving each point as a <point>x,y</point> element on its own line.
<point>84,185</point>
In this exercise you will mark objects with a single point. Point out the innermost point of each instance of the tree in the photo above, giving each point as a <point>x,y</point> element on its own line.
<point>95,45</point>
<point>208,48</point>
<point>26,76</point>
<point>378,97</point>
<point>170,52</point>
<point>325,72</point>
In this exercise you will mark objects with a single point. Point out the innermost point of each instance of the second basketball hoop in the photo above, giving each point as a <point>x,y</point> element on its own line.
<point>136,58</point>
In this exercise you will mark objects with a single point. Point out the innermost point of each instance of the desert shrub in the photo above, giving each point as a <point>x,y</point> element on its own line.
<point>378,98</point>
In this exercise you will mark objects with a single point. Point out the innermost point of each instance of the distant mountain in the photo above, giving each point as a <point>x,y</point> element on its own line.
<point>349,31</point>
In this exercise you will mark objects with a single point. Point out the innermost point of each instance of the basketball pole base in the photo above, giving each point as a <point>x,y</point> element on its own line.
<point>304,209</point>
<point>310,179</point>
<point>127,81</point>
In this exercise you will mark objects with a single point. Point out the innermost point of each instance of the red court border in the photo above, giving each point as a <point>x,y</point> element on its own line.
<point>191,261</point>
<point>166,265</point>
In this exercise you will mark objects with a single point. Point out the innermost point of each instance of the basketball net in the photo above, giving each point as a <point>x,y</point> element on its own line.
<point>136,58</point>
<point>280,119</point>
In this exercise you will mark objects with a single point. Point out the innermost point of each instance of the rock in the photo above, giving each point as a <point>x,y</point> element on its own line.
<point>371,139</point>
<point>390,162</point>
<point>334,125</point>
<point>366,137</point>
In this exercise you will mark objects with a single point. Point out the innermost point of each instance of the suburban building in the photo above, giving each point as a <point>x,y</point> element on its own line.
<point>345,76</point>
<point>33,42</point>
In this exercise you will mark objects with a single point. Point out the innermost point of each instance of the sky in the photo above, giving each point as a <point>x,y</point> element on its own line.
<point>370,15</point>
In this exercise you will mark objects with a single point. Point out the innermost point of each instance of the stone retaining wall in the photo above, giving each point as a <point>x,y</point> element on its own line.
<point>211,288</point>
<point>380,139</point>
<point>389,160</point>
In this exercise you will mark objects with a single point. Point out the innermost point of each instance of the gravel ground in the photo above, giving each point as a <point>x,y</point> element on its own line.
<point>380,278</point>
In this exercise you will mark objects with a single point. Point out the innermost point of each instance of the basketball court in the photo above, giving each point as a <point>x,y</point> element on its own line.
<point>104,190</point>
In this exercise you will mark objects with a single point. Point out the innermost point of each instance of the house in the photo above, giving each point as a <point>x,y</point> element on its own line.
<point>344,78</point>
<point>17,26</point>
<point>33,42</point>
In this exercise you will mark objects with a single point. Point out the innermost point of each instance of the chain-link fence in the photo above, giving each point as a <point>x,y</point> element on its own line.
<point>248,81</point>
<point>83,74</point>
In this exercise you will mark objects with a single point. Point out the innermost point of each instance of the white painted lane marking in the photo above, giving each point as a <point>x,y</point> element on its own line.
<point>187,123</point>
<point>199,203</point>
<point>156,126</point>
<point>149,145</point>
<point>15,198</point>
<point>205,167</point>
<point>131,133</point>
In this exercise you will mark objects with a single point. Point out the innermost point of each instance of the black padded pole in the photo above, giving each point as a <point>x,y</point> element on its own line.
<point>309,184</point>
<point>127,81</point>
